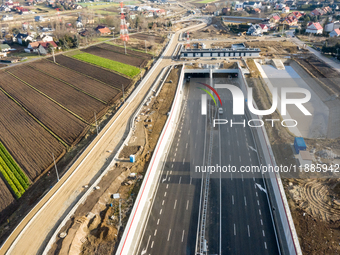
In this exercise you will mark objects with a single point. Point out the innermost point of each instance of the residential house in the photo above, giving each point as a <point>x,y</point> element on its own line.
<point>274,19</point>
<point>316,12</point>
<point>314,28</point>
<point>3,54</point>
<point>238,5</point>
<point>327,9</point>
<point>290,20</point>
<point>280,6</point>
<point>20,38</point>
<point>44,38</point>
<point>332,25</point>
<point>296,14</point>
<point>254,30</point>
<point>289,3</point>
<point>102,30</point>
<point>334,7</point>
<point>252,4</point>
<point>7,17</point>
<point>4,47</point>
<point>303,2</point>
<point>5,8</point>
<point>79,24</point>
<point>40,47</point>
<point>285,9</point>
<point>264,28</point>
<point>257,10</point>
<point>335,33</point>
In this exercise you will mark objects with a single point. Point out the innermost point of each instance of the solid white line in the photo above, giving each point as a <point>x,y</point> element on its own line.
<point>157,221</point>
<point>245,201</point>
<point>232,198</point>
<point>234,230</point>
<point>183,236</point>
<point>155,232</point>
<point>248,231</point>
<point>165,193</point>
<point>160,212</point>
<point>180,178</point>
<point>187,204</point>
<point>147,245</point>
<point>152,244</point>
<point>175,204</point>
<point>169,234</point>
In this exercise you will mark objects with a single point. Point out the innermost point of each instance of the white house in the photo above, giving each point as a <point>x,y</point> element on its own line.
<point>255,30</point>
<point>252,4</point>
<point>285,9</point>
<point>314,28</point>
<point>332,25</point>
<point>280,6</point>
<point>335,33</point>
<point>238,5</point>
<point>264,28</point>
<point>44,38</point>
<point>7,17</point>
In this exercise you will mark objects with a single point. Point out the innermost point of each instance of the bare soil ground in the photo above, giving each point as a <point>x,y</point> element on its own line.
<point>274,47</point>
<point>98,231</point>
<point>314,203</point>
<point>148,37</point>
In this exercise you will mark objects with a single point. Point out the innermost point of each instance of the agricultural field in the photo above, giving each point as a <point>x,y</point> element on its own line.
<point>148,37</point>
<point>112,55</point>
<point>27,141</point>
<point>11,172</point>
<point>98,73</point>
<point>119,67</point>
<point>62,94</point>
<point>121,50</point>
<point>6,196</point>
<point>89,85</point>
<point>66,126</point>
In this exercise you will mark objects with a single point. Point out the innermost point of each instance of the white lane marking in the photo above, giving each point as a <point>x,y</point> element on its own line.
<point>152,244</point>
<point>163,202</point>
<point>176,149</point>
<point>160,212</point>
<point>187,204</point>
<point>234,230</point>
<point>189,132</point>
<point>169,234</point>
<point>258,202</point>
<point>175,204</point>
<point>245,201</point>
<point>167,186</point>
<point>186,146</point>
<point>147,245</point>
<point>183,161</point>
<point>180,178</point>
<point>165,193</point>
<point>256,193</point>
<point>173,160</point>
<point>259,211</point>
<point>265,245</point>
<point>232,198</point>
<point>183,236</point>
<point>170,172</point>
<point>172,165</point>
<point>155,232</point>
<point>175,154</point>
<point>169,179</point>
<point>261,222</point>
<point>253,178</point>
<point>248,231</point>
<point>190,180</point>
<point>263,233</point>
<point>158,222</point>
<point>178,139</point>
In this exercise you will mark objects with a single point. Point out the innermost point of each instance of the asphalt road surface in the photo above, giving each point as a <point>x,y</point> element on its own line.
<point>238,218</point>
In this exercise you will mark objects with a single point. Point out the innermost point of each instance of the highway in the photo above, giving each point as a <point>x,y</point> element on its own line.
<point>238,218</point>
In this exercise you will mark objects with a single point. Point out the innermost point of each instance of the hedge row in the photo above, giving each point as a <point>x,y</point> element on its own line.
<point>14,166</point>
<point>10,183</point>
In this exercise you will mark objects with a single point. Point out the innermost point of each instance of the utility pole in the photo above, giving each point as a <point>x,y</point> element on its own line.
<point>125,46</point>
<point>95,117</point>
<point>55,165</point>
<point>145,45</point>
<point>53,55</point>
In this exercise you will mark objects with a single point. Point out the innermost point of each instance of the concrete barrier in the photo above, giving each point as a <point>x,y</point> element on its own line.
<point>136,223</point>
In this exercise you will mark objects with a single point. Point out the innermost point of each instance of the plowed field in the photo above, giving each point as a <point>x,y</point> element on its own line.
<point>110,78</point>
<point>77,102</point>
<point>88,85</point>
<point>29,143</point>
<point>59,121</point>
<point>155,38</point>
<point>126,59</point>
<point>6,197</point>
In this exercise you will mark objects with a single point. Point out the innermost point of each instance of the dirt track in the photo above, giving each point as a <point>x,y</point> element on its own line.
<point>34,239</point>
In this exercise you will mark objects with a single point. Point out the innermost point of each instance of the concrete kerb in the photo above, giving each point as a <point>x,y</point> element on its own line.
<point>132,96</point>
<point>132,233</point>
<point>84,197</point>
<point>279,193</point>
